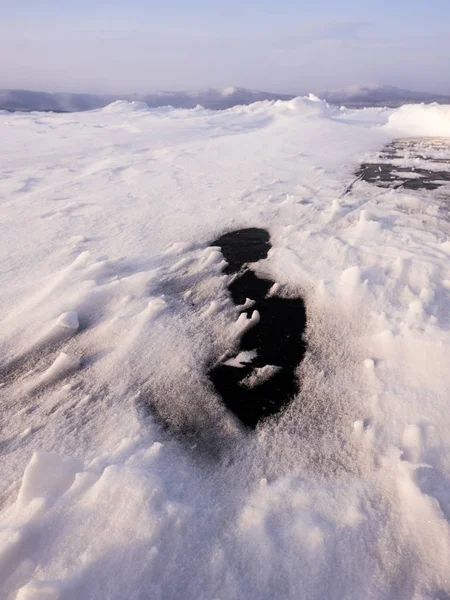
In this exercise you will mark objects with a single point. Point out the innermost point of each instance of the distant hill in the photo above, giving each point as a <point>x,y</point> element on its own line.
<point>24,100</point>
<point>217,99</point>
<point>379,95</point>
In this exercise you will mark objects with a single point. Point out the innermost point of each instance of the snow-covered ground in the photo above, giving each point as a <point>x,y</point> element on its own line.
<point>110,296</point>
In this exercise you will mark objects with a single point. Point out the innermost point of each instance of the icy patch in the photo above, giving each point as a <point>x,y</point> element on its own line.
<point>257,389</point>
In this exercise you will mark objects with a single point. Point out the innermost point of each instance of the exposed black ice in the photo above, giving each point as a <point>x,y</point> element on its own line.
<point>428,168</point>
<point>260,378</point>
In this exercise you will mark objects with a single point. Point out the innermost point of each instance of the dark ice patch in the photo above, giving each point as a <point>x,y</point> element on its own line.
<point>389,175</point>
<point>243,246</point>
<point>262,385</point>
<point>430,171</point>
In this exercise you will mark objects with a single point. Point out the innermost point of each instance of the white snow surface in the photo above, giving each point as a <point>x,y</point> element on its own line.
<point>110,296</point>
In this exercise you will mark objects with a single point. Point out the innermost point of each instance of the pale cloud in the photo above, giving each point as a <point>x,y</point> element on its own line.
<point>306,56</point>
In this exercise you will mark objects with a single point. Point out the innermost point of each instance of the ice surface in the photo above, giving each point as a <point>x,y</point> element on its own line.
<point>274,331</point>
<point>108,215</point>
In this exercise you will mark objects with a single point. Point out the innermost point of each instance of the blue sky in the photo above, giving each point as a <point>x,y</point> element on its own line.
<point>284,45</point>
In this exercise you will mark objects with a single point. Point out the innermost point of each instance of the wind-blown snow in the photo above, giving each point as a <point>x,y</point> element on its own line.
<point>111,298</point>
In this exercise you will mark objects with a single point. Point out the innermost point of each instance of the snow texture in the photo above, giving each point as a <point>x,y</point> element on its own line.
<point>111,299</point>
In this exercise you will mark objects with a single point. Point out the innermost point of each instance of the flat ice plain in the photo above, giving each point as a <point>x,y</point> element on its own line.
<point>110,296</point>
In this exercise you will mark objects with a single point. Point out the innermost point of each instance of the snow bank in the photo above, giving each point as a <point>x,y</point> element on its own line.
<point>420,120</point>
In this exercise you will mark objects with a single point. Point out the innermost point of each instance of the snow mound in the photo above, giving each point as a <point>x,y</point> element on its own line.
<point>421,120</point>
<point>69,320</point>
<point>125,106</point>
<point>308,106</point>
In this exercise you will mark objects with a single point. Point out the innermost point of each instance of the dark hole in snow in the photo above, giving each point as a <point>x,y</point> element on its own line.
<point>259,379</point>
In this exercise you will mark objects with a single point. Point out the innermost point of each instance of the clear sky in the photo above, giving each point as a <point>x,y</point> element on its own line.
<point>292,46</point>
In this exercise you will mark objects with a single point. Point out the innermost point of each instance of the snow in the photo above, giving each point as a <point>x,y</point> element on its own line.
<point>424,120</point>
<point>111,298</point>
<point>241,359</point>
<point>61,367</point>
<point>69,320</point>
<point>245,323</point>
<point>260,375</point>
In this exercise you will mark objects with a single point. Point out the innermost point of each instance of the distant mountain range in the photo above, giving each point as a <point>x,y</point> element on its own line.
<point>216,99</point>
<point>379,95</point>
